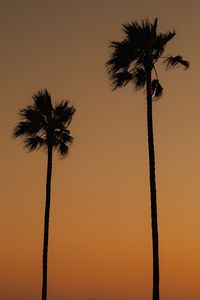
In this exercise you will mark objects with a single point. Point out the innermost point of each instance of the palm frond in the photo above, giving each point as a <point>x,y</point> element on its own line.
<point>120,79</point>
<point>63,150</point>
<point>164,38</point>
<point>66,137</point>
<point>132,30</point>
<point>150,27</point>
<point>26,128</point>
<point>139,78</point>
<point>63,112</point>
<point>142,37</point>
<point>154,27</point>
<point>174,61</point>
<point>156,89</point>
<point>34,143</point>
<point>21,130</point>
<point>137,36</point>
<point>33,115</point>
<point>27,113</point>
<point>42,101</point>
<point>62,136</point>
<point>121,57</point>
<point>160,43</point>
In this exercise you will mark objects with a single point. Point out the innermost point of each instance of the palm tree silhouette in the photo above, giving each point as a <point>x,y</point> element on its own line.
<point>45,126</point>
<point>133,60</point>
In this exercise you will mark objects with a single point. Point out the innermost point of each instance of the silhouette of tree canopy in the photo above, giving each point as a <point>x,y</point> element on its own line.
<point>139,51</point>
<point>42,124</point>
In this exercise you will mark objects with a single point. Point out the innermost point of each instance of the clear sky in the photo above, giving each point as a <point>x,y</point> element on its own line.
<point>100,235</point>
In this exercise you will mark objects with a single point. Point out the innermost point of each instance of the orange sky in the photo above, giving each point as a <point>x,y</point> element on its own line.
<point>100,237</point>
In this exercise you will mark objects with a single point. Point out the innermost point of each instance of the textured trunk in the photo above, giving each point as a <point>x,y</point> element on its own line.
<point>46,223</point>
<point>154,222</point>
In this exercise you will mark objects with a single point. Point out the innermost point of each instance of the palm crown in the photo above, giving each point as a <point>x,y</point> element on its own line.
<point>139,52</point>
<point>43,125</point>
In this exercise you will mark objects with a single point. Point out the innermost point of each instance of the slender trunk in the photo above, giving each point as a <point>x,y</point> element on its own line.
<point>46,223</point>
<point>154,222</point>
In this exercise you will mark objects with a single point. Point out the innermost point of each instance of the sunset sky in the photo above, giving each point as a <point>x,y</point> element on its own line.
<point>100,230</point>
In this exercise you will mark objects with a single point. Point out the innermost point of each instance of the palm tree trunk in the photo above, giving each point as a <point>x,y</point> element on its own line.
<point>154,222</point>
<point>46,223</point>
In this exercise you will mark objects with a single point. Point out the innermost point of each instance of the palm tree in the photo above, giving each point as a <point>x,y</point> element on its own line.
<point>45,126</point>
<point>133,60</point>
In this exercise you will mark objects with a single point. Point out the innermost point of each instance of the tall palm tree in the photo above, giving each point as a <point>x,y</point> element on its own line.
<point>133,61</point>
<point>45,126</point>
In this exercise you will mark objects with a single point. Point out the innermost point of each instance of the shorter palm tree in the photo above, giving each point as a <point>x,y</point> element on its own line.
<point>45,126</point>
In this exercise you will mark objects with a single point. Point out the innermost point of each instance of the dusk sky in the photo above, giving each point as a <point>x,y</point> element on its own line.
<point>100,229</point>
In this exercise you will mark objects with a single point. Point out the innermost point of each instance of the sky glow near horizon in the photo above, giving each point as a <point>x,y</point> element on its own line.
<point>100,235</point>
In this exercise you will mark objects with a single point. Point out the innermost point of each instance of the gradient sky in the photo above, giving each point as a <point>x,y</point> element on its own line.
<point>100,235</point>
